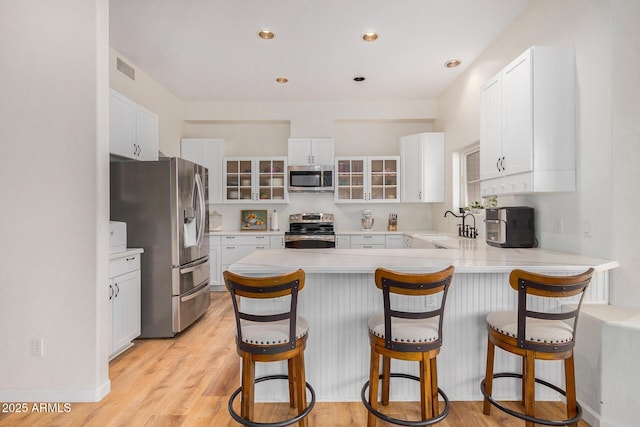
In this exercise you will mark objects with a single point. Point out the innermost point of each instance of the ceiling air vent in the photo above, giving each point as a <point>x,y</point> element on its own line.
<point>126,69</point>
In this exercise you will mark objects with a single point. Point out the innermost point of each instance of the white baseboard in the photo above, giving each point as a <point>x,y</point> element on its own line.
<point>78,395</point>
<point>590,415</point>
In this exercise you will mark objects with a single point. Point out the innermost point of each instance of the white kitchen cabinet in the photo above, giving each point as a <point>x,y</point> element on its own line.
<point>255,180</point>
<point>394,241</point>
<point>311,151</point>
<point>124,297</point>
<point>234,247</point>
<point>368,241</point>
<point>133,129</point>
<point>343,241</point>
<point>215,276</point>
<point>208,153</point>
<point>367,179</point>
<point>422,157</point>
<point>527,124</point>
<point>277,241</point>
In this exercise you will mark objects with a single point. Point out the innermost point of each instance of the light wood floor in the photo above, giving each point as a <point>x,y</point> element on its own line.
<point>186,382</point>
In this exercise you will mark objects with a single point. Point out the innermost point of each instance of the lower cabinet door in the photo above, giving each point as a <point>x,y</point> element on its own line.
<point>125,306</point>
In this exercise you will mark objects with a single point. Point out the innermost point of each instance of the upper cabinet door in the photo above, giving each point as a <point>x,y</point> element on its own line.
<point>491,129</point>
<point>422,158</point>
<point>517,118</point>
<point>146,134</point>
<point>322,151</point>
<point>133,129</point>
<point>311,151</point>
<point>122,126</point>
<point>208,153</point>
<point>299,151</point>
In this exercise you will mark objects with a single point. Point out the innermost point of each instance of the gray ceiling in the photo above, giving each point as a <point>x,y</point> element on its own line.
<point>208,50</point>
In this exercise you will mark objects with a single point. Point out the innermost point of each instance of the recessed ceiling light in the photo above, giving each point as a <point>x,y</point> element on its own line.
<point>282,79</point>
<point>369,37</point>
<point>452,63</point>
<point>358,79</point>
<point>266,34</point>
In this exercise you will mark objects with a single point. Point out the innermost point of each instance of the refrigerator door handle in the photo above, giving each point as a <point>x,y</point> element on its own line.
<point>201,208</point>
<point>194,266</point>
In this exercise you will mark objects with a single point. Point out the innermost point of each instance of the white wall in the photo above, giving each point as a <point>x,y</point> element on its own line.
<point>625,36</point>
<point>54,192</point>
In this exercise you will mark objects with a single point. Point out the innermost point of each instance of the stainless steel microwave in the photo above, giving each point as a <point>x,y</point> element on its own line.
<point>511,227</point>
<point>310,179</point>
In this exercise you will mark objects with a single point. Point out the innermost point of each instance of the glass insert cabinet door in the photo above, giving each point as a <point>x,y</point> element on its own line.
<point>271,179</point>
<point>383,179</point>
<point>259,179</point>
<point>238,179</point>
<point>350,185</point>
<point>368,179</point>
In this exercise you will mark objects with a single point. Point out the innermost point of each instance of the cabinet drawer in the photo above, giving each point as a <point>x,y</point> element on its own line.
<point>367,239</point>
<point>124,265</point>
<point>232,253</point>
<point>245,240</point>
<point>367,246</point>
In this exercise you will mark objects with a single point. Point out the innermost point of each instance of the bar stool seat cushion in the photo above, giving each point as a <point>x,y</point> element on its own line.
<point>272,333</point>
<point>538,330</point>
<point>406,330</point>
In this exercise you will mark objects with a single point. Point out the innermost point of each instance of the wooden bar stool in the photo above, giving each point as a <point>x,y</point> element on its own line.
<point>537,334</point>
<point>405,335</point>
<point>270,338</point>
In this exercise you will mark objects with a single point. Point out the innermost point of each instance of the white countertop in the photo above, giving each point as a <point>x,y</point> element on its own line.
<point>127,252</point>
<point>480,260</point>
<point>244,233</point>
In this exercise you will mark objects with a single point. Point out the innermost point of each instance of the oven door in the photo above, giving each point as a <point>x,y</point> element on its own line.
<point>309,241</point>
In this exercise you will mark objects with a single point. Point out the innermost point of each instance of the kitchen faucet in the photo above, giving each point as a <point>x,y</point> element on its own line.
<point>464,230</point>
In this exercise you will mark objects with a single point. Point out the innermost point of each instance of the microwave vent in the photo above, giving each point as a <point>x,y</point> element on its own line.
<point>126,69</point>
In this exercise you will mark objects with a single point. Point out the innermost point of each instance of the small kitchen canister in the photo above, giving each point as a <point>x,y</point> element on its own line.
<point>215,221</point>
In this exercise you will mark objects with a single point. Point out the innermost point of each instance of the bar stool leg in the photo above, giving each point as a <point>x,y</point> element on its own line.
<point>248,383</point>
<point>291,369</point>
<point>488,378</point>
<point>386,377</point>
<point>570,380</point>
<point>301,389</point>
<point>529,378</point>
<point>425,386</point>
<point>435,408</point>
<point>374,372</point>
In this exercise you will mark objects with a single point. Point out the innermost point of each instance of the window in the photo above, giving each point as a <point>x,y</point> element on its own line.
<point>466,176</point>
<point>471,176</point>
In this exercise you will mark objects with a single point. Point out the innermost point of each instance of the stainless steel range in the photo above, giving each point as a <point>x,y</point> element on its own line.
<point>310,230</point>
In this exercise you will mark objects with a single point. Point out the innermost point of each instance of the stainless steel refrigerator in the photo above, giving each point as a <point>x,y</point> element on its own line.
<point>164,204</point>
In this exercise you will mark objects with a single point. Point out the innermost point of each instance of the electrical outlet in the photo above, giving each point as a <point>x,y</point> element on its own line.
<point>431,302</point>
<point>36,346</point>
<point>559,225</point>
<point>586,228</point>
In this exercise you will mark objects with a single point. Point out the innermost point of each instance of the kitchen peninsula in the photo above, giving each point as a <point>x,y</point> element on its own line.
<point>340,296</point>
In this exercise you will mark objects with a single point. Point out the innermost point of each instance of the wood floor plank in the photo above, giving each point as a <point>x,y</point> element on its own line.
<point>186,382</point>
